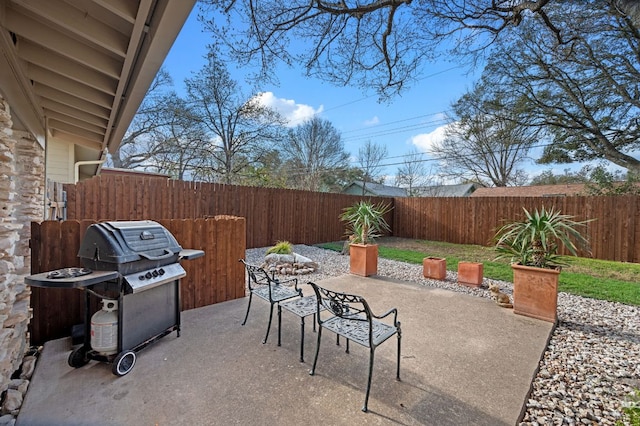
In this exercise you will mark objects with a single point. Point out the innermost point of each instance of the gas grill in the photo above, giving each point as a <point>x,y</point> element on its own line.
<point>133,267</point>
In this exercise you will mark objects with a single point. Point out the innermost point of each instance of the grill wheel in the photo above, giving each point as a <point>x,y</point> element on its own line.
<point>78,357</point>
<point>123,363</point>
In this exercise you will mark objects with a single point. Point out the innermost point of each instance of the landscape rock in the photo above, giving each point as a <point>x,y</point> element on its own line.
<point>289,264</point>
<point>12,402</point>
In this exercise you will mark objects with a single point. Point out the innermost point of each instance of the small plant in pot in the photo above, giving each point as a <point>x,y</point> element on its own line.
<point>532,244</point>
<point>365,222</point>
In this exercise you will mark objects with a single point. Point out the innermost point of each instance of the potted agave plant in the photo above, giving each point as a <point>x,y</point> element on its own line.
<point>365,222</point>
<point>532,245</point>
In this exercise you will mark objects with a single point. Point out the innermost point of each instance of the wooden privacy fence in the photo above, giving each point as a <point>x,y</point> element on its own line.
<point>216,277</point>
<point>301,217</point>
<point>311,217</point>
<point>613,235</point>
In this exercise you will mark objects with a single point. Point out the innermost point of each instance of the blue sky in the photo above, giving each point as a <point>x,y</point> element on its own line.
<point>413,119</point>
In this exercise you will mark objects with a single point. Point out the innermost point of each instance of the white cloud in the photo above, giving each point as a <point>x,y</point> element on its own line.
<point>293,112</point>
<point>372,122</point>
<point>426,141</point>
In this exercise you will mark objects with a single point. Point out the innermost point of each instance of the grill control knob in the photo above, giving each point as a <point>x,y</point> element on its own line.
<point>148,275</point>
<point>141,277</point>
<point>161,271</point>
<point>154,273</point>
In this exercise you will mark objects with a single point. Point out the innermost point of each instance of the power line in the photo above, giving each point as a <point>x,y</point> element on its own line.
<point>397,130</point>
<point>370,96</point>
<point>397,121</point>
<point>302,170</point>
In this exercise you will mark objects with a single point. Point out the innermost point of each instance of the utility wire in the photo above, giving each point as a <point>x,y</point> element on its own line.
<point>370,96</point>
<point>398,130</point>
<point>302,170</point>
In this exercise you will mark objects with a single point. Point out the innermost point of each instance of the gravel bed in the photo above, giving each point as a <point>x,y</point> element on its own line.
<point>589,368</point>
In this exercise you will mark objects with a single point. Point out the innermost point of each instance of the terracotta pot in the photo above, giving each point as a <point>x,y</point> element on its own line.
<point>535,292</point>
<point>363,259</point>
<point>470,274</point>
<point>434,267</point>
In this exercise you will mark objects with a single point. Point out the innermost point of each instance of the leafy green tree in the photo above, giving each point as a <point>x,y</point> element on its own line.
<point>547,177</point>
<point>585,95</point>
<point>604,182</point>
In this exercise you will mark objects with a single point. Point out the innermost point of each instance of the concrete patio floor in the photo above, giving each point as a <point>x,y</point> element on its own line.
<point>465,361</point>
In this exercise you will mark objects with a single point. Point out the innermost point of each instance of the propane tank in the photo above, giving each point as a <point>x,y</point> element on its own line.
<point>104,328</point>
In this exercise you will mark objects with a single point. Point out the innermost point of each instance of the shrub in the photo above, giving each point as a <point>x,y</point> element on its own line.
<point>281,247</point>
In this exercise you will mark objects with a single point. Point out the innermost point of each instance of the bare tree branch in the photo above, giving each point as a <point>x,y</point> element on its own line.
<point>381,43</point>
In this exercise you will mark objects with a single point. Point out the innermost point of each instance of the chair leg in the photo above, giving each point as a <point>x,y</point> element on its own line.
<point>315,358</point>
<point>279,323</point>
<point>301,339</point>
<point>347,350</point>
<point>268,325</point>
<point>366,397</point>
<point>398,368</point>
<point>248,307</point>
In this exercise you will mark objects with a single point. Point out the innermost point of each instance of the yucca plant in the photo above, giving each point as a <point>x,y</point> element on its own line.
<point>534,241</point>
<point>365,221</point>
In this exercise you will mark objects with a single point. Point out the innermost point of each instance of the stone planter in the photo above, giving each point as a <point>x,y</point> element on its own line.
<point>535,292</point>
<point>434,267</point>
<point>470,274</point>
<point>363,259</point>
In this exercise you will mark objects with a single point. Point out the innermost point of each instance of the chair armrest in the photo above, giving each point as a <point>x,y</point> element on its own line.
<point>393,311</point>
<point>288,283</point>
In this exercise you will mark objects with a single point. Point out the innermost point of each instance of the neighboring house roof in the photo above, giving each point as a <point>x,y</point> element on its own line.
<point>460,190</point>
<point>374,189</point>
<point>77,71</point>
<point>532,191</point>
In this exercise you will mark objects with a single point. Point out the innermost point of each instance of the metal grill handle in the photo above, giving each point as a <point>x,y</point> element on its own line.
<point>167,254</point>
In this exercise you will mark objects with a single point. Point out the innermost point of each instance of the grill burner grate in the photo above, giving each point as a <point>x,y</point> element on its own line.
<point>68,273</point>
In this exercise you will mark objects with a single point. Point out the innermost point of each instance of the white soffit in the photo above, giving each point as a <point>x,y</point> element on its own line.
<point>79,69</point>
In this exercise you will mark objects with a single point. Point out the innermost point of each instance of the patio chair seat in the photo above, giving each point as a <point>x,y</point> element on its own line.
<point>278,293</point>
<point>357,330</point>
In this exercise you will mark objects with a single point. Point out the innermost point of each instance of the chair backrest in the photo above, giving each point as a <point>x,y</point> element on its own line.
<point>257,276</point>
<point>343,305</point>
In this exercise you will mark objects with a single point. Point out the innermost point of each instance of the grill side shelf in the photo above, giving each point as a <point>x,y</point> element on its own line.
<point>190,254</point>
<point>95,277</point>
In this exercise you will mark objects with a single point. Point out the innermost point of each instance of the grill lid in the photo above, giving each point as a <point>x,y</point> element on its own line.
<point>128,241</point>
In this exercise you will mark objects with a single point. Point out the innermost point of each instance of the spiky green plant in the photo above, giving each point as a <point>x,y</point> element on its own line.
<point>534,241</point>
<point>281,247</point>
<point>365,221</point>
<point>631,409</point>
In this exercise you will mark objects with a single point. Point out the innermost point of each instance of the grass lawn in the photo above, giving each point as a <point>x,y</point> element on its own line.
<point>598,279</point>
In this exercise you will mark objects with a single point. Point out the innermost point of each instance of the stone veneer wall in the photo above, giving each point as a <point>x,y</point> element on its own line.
<point>21,201</point>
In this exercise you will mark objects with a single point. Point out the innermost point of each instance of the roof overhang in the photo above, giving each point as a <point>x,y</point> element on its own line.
<point>78,70</point>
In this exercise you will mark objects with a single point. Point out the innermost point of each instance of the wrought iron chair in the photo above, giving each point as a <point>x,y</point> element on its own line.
<point>269,288</point>
<point>352,318</point>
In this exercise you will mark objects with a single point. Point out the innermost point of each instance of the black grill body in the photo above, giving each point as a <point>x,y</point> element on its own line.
<point>135,263</point>
<point>128,246</point>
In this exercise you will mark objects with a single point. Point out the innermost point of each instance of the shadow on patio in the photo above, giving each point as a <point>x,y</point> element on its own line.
<point>464,361</point>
